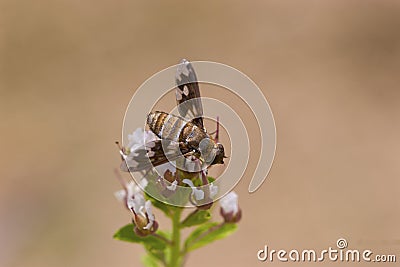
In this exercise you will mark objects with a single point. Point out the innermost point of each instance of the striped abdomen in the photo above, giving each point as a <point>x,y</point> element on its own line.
<point>171,127</point>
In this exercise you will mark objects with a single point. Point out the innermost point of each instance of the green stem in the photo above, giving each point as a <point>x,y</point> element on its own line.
<point>176,260</point>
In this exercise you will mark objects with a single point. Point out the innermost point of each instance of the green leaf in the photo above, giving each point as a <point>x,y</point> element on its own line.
<point>195,218</point>
<point>198,181</point>
<point>155,253</point>
<point>149,261</point>
<point>210,179</point>
<point>127,234</point>
<point>208,233</point>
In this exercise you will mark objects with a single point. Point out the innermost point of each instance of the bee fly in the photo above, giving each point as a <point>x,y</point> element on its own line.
<point>179,136</point>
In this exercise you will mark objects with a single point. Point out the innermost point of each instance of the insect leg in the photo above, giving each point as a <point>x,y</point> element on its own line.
<point>216,132</point>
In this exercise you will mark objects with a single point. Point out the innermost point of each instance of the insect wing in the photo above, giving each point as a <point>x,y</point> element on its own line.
<point>188,94</point>
<point>153,154</point>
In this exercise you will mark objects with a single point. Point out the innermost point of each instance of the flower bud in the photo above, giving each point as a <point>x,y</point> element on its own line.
<point>230,210</point>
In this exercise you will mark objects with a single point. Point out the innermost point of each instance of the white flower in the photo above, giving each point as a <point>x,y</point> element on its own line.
<point>198,194</point>
<point>229,203</point>
<point>145,221</point>
<point>142,214</point>
<point>136,203</point>
<point>150,215</point>
<point>131,189</point>
<point>173,185</point>
<point>135,197</point>
<point>213,190</point>
<point>120,195</point>
<point>138,138</point>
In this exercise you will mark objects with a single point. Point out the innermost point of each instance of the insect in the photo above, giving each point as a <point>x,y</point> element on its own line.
<point>181,136</point>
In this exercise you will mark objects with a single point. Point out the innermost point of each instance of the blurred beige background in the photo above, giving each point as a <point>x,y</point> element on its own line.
<point>329,69</point>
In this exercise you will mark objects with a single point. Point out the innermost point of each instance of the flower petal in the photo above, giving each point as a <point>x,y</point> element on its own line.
<point>198,194</point>
<point>229,203</point>
<point>173,185</point>
<point>120,195</point>
<point>213,190</point>
<point>150,215</point>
